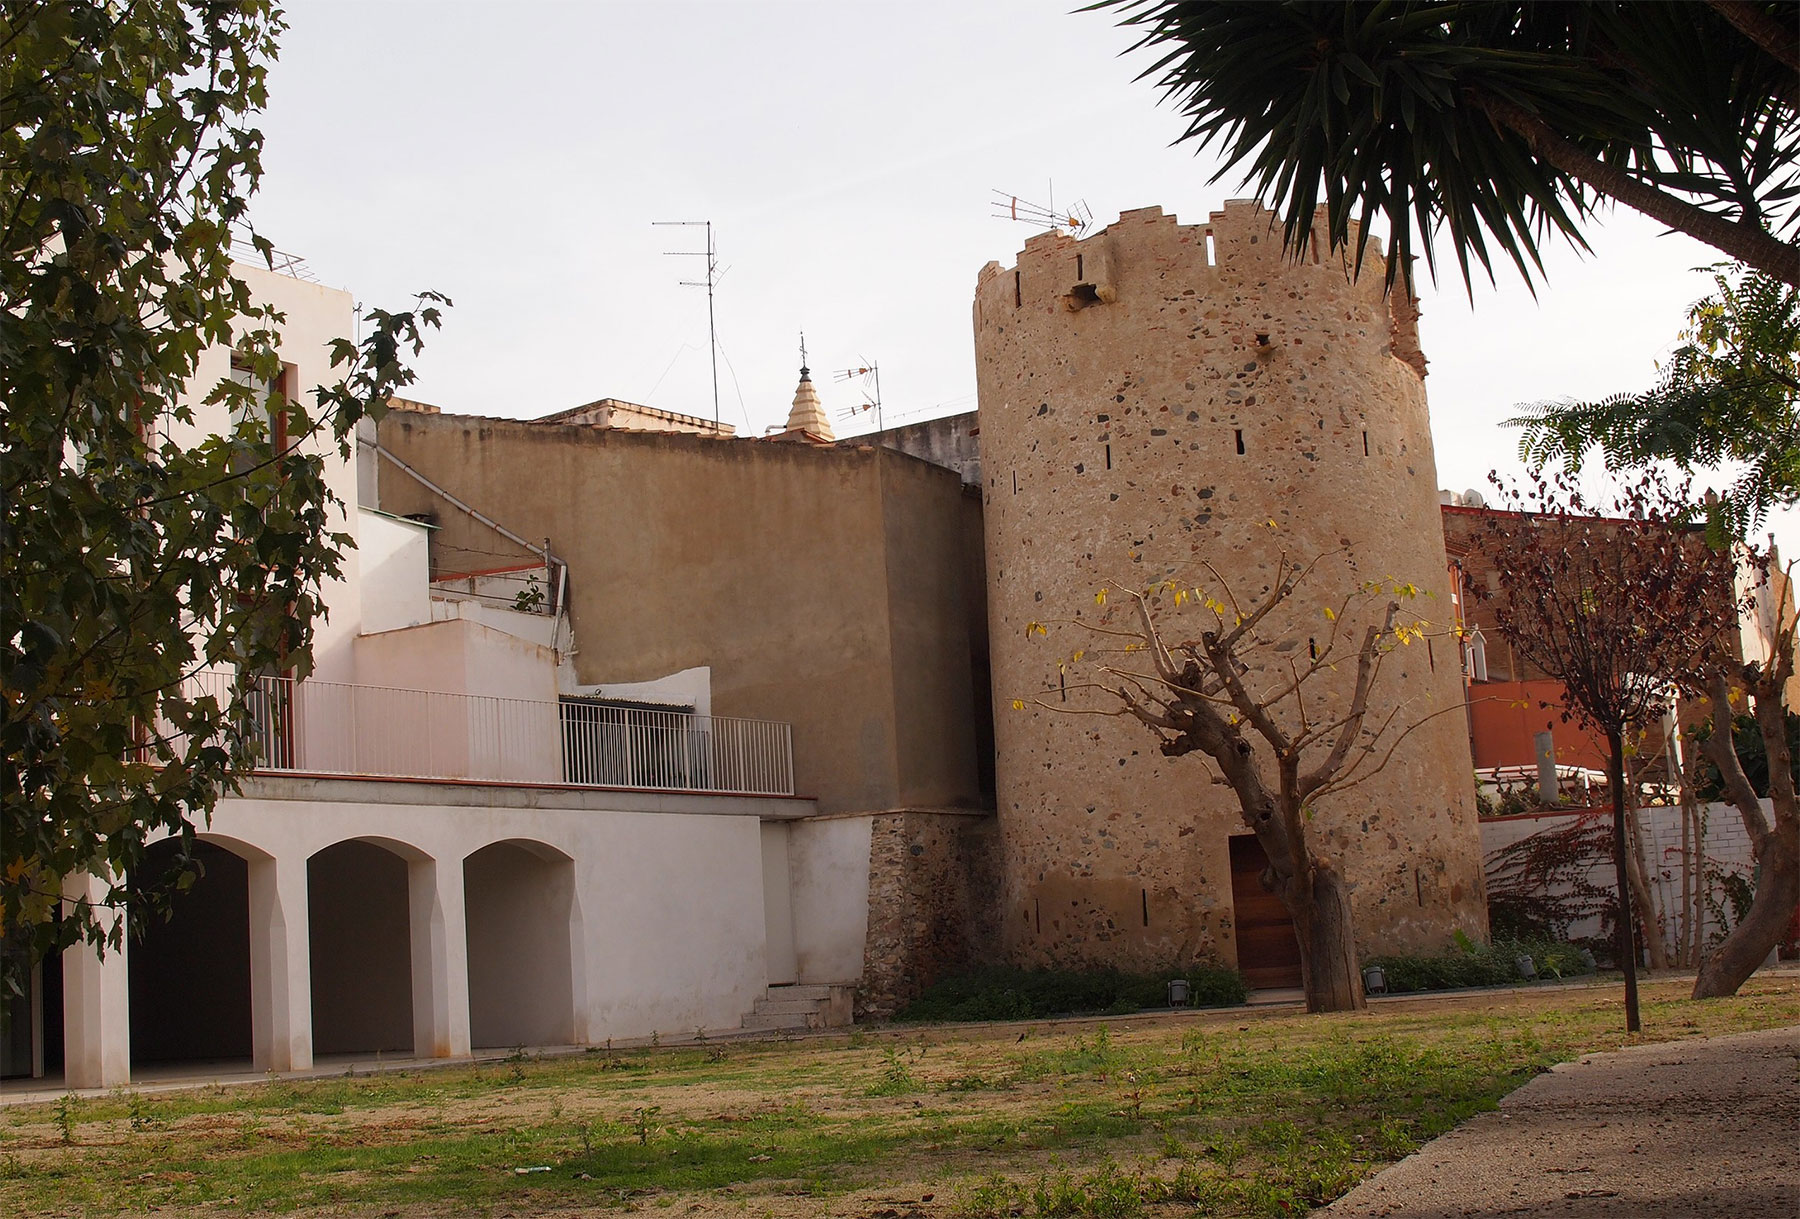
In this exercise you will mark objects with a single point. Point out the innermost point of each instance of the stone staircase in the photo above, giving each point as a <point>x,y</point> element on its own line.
<point>797,1008</point>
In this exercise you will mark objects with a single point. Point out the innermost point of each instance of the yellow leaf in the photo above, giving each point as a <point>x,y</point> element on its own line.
<point>1100,597</point>
<point>1330,617</point>
<point>1077,657</point>
<point>1018,704</point>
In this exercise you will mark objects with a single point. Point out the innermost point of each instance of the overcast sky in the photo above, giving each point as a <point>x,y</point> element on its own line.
<point>515,156</point>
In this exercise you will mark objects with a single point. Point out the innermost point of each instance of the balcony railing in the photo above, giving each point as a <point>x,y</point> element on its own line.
<point>319,727</point>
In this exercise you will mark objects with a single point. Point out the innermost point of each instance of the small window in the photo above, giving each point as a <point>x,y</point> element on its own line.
<point>261,407</point>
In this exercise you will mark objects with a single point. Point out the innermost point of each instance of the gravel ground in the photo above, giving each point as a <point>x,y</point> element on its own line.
<point>1668,1131</point>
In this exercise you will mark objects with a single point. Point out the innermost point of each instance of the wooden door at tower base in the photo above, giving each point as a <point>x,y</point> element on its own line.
<point>1268,951</point>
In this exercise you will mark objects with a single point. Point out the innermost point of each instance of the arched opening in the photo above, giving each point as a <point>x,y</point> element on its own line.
<point>517,903</point>
<point>31,1016</point>
<point>359,941</point>
<point>190,973</point>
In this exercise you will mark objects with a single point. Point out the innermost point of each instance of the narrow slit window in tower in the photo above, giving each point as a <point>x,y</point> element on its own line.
<point>1015,482</point>
<point>1109,457</point>
<point>1365,442</point>
<point>1145,895</point>
<point>1018,293</point>
<point>1212,252</point>
<point>1239,433</point>
<point>1078,274</point>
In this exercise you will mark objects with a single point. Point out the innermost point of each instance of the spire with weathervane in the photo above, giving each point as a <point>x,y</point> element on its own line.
<point>808,413</point>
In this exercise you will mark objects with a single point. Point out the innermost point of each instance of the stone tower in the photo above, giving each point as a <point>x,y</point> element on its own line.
<point>1151,398</point>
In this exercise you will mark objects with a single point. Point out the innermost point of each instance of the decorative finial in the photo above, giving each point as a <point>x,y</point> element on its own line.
<point>805,372</point>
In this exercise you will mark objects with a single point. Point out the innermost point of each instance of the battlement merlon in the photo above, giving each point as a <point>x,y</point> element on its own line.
<point>1059,272</point>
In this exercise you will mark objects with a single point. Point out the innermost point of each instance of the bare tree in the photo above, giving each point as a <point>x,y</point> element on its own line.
<point>1260,700</point>
<point>1625,608</point>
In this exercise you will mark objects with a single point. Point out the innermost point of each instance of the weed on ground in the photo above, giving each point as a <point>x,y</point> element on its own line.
<point>1236,1113</point>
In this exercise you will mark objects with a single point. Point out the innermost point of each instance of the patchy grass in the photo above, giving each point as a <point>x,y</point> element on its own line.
<point>1236,1113</point>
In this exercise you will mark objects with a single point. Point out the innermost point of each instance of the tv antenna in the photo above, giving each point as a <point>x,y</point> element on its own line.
<point>1076,218</point>
<point>711,280</point>
<point>870,375</point>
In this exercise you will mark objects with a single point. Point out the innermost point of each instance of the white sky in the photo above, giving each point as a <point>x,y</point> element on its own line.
<point>514,155</point>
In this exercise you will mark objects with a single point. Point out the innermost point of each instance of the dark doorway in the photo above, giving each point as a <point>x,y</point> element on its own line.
<point>190,974</point>
<point>31,1017</point>
<point>359,933</point>
<point>1268,953</point>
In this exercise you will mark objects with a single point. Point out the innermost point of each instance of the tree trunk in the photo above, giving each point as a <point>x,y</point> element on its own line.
<point>1777,854</point>
<point>1739,954</point>
<point>1319,903</point>
<point>1627,950</point>
<point>1748,243</point>
<point>1642,897</point>
<point>1328,965</point>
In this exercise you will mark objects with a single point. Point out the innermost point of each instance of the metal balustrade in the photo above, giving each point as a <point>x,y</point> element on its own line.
<point>319,727</point>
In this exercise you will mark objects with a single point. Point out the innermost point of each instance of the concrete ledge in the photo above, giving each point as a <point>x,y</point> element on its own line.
<point>340,789</point>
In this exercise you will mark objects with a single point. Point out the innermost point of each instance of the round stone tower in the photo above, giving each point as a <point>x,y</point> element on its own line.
<point>1157,400</point>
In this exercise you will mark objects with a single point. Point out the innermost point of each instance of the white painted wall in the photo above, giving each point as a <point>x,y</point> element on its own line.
<point>671,904</point>
<point>314,316</point>
<point>517,738</point>
<point>396,571</point>
<point>828,867</point>
<point>686,688</point>
<point>1727,847</point>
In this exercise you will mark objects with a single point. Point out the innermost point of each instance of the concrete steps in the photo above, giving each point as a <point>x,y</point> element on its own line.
<point>798,1008</point>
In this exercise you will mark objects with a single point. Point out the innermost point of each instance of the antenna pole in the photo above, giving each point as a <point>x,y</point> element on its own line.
<point>712,278</point>
<point>712,330</point>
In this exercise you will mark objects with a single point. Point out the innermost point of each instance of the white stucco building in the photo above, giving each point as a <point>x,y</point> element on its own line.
<point>451,845</point>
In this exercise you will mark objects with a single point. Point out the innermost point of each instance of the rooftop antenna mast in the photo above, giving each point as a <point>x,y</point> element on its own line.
<point>870,374</point>
<point>710,253</point>
<point>1076,218</point>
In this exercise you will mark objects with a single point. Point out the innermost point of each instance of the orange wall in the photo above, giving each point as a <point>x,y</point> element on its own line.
<point>1504,716</point>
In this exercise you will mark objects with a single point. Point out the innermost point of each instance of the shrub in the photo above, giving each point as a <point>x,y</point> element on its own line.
<point>1468,965</point>
<point>1006,992</point>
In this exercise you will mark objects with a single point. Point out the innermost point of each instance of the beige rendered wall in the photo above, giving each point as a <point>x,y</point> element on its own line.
<point>929,650</point>
<point>1109,419</point>
<point>768,562</point>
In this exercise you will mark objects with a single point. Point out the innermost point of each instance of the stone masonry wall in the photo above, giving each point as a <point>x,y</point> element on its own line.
<point>1160,401</point>
<point>932,877</point>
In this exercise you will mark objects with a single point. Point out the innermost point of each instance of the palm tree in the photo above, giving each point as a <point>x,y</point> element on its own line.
<point>1500,122</point>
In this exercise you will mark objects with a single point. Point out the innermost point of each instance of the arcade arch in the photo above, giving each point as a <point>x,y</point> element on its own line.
<point>519,909</point>
<point>360,945</point>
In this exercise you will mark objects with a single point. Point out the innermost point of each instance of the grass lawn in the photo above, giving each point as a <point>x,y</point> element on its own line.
<point>1241,1112</point>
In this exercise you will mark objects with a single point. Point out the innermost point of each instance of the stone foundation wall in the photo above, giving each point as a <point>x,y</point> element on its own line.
<point>932,881</point>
